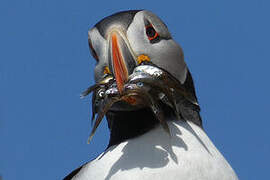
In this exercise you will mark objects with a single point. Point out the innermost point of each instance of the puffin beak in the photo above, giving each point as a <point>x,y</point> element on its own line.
<point>121,60</point>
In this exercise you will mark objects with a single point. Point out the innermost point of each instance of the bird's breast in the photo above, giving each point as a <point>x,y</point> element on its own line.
<point>187,154</point>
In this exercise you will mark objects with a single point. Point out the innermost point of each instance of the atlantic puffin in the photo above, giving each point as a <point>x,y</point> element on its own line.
<point>145,90</point>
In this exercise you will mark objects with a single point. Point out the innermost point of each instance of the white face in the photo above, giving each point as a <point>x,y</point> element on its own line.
<point>164,52</point>
<point>100,48</point>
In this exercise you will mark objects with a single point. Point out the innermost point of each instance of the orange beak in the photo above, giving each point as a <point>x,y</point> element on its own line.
<point>119,65</point>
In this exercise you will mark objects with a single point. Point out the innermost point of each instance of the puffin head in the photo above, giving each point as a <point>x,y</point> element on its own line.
<point>123,40</point>
<point>120,44</point>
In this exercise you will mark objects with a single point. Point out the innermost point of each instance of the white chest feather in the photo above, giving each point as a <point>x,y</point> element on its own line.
<point>188,155</point>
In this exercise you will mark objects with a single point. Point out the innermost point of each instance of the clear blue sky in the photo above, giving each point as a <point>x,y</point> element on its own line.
<point>45,64</point>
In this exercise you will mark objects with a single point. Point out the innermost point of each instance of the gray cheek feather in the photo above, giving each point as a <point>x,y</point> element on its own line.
<point>99,71</point>
<point>167,53</point>
<point>136,34</point>
<point>101,47</point>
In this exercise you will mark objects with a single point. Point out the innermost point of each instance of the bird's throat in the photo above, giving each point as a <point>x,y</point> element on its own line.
<point>125,125</point>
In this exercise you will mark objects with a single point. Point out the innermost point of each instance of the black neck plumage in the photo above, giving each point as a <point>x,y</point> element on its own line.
<point>125,125</point>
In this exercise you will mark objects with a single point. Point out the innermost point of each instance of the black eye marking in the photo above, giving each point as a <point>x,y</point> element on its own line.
<point>92,50</point>
<point>151,33</point>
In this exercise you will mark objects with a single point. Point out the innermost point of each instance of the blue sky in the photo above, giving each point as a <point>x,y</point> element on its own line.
<point>45,64</point>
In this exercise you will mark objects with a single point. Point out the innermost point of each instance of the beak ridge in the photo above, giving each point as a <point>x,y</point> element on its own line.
<point>121,60</point>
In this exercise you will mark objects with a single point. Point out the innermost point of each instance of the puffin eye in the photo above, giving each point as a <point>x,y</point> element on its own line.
<point>151,32</point>
<point>92,50</point>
